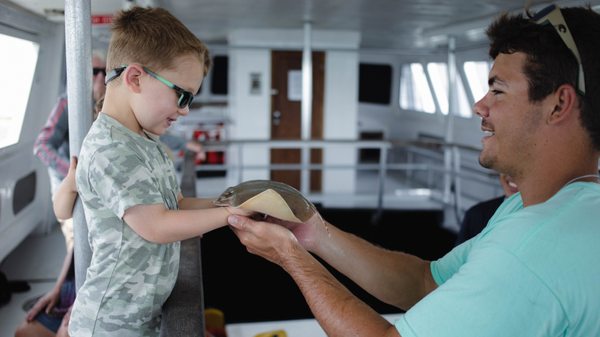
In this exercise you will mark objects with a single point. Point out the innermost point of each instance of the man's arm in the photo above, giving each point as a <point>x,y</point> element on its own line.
<point>394,277</point>
<point>338,311</point>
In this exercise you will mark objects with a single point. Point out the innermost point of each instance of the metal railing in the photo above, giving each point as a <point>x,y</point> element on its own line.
<point>445,172</point>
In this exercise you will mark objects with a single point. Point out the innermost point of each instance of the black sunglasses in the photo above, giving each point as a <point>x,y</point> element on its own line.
<point>185,97</point>
<point>96,71</point>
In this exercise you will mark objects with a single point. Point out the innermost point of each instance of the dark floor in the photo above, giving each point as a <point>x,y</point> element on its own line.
<point>247,288</point>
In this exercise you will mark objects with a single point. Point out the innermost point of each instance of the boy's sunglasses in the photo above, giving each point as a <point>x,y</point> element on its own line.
<point>185,97</point>
<point>96,71</point>
<point>553,16</point>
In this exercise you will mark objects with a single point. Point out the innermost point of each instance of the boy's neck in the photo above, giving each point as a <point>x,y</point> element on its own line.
<point>119,109</point>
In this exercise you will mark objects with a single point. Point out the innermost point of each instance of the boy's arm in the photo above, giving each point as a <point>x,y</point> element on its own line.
<point>158,224</point>
<point>194,203</point>
<point>64,198</point>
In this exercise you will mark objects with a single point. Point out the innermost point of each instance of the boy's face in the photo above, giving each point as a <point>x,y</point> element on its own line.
<point>157,107</point>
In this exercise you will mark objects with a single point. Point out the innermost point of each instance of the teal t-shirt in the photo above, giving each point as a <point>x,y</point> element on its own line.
<point>531,272</point>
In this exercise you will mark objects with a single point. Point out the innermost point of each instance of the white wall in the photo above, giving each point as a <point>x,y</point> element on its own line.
<point>250,53</point>
<point>17,161</point>
<point>340,119</point>
<point>249,113</point>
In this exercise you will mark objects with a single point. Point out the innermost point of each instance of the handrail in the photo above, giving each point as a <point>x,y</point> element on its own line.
<point>454,170</point>
<point>183,312</point>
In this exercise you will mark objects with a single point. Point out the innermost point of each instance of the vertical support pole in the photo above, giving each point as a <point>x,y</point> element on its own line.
<point>449,132</point>
<point>307,88</point>
<point>78,42</point>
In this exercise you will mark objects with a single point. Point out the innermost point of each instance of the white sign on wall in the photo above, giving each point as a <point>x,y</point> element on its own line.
<point>295,85</point>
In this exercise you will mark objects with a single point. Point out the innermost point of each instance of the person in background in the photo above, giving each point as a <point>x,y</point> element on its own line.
<point>177,144</point>
<point>52,144</point>
<point>477,217</point>
<point>135,212</point>
<point>49,316</point>
<point>52,148</point>
<point>533,271</point>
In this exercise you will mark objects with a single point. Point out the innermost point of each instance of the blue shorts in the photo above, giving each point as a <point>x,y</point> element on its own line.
<point>53,319</point>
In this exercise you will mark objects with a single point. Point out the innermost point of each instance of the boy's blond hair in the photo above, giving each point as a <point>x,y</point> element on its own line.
<point>152,37</point>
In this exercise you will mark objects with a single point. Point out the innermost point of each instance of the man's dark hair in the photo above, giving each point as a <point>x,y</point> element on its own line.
<point>550,63</point>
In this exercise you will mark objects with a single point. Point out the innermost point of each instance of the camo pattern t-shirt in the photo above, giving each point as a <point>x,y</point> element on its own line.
<point>129,278</point>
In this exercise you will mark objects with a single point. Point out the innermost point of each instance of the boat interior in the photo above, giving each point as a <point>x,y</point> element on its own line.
<point>364,106</point>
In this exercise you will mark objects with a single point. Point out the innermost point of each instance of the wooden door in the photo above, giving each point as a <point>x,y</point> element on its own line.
<point>286,113</point>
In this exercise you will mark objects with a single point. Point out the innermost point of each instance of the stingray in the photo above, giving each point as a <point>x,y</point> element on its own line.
<point>268,197</point>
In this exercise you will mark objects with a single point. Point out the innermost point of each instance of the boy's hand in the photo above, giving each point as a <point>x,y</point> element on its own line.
<point>239,211</point>
<point>70,178</point>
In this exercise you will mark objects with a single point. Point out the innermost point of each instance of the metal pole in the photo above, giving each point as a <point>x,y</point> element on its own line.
<point>306,105</point>
<point>78,42</point>
<point>449,136</point>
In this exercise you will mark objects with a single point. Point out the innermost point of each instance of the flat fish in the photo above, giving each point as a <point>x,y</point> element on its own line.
<point>269,197</point>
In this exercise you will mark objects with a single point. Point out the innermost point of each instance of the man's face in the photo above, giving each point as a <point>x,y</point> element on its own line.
<point>509,120</point>
<point>98,87</point>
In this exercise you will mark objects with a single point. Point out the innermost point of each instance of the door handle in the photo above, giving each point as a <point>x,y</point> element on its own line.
<point>276,117</point>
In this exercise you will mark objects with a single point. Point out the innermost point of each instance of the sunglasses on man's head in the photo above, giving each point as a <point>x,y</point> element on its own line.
<point>96,71</point>
<point>553,16</point>
<point>184,99</point>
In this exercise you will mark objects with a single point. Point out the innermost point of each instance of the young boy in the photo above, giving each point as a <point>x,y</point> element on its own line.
<point>134,209</point>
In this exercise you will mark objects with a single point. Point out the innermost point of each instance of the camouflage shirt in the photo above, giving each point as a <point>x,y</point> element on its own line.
<point>129,278</point>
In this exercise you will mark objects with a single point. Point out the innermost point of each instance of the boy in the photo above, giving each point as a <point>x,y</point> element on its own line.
<point>134,209</point>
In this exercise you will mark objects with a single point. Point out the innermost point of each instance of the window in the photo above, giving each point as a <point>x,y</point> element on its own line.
<point>414,90</point>
<point>477,77</point>
<point>439,79</point>
<point>17,68</point>
<point>375,83</point>
<point>218,83</point>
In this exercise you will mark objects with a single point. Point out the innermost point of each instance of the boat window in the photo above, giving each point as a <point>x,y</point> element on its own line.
<point>17,69</point>
<point>220,68</point>
<point>438,72</point>
<point>414,89</point>
<point>477,77</point>
<point>375,83</point>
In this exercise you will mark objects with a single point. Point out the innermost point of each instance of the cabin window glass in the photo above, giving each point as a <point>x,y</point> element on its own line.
<point>477,77</point>
<point>414,90</point>
<point>17,68</point>
<point>439,78</point>
<point>374,83</point>
<point>220,69</point>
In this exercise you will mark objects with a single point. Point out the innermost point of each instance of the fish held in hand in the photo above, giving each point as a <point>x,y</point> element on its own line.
<point>268,197</point>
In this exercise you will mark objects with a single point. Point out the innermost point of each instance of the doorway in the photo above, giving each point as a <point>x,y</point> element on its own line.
<point>286,114</point>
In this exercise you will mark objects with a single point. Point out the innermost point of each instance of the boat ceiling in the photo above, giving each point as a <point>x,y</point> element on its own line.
<point>401,26</point>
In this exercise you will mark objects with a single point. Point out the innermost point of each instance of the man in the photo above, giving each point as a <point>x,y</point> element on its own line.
<point>533,270</point>
<point>52,144</point>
